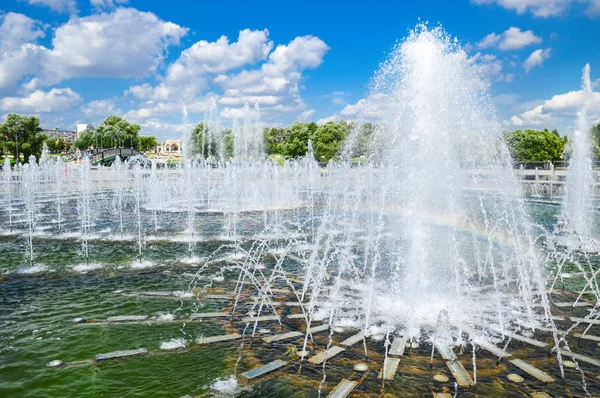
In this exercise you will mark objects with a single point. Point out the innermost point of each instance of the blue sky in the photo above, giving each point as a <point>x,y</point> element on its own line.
<point>71,61</point>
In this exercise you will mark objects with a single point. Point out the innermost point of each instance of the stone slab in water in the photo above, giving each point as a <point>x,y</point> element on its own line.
<point>343,389</point>
<point>445,351</point>
<point>271,366</point>
<point>519,337</point>
<point>390,366</point>
<point>296,316</point>
<point>317,329</point>
<point>294,304</point>
<point>121,354</point>
<point>325,355</point>
<point>127,318</point>
<point>218,297</point>
<point>284,336</point>
<point>519,363</point>
<point>217,339</point>
<point>265,318</point>
<point>540,394</point>
<point>580,357</point>
<point>586,320</point>
<point>156,294</point>
<point>397,347</point>
<point>201,315</point>
<point>275,290</point>
<point>463,378</point>
<point>587,336</point>
<point>577,304</point>
<point>350,341</point>
<point>442,395</point>
<point>456,368</point>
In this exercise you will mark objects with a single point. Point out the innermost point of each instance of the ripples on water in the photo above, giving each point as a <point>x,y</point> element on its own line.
<point>38,304</point>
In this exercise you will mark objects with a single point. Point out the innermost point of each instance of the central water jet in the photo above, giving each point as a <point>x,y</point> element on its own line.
<point>436,222</point>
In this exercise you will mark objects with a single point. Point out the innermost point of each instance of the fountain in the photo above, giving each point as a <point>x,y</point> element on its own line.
<point>578,210</point>
<point>248,137</point>
<point>424,260</point>
<point>443,199</point>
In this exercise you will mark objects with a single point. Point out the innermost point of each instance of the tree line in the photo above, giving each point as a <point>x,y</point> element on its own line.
<point>115,131</point>
<point>546,146</point>
<point>23,135</point>
<point>288,142</point>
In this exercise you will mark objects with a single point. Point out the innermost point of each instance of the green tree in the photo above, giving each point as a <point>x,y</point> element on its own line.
<point>276,140</point>
<point>328,140</point>
<point>24,130</point>
<point>228,141</point>
<point>146,143</point>
<point>56,144</point>
<point>596,140</point>
<point>535,146</point>
<point>114,131</point>
<point>364,141</point>
<point>205,140</point>
<point>89,138</point>
<point>297,143</point>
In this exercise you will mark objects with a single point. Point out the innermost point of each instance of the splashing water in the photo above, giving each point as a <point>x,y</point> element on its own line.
<point>438,224</point>
<point>227,387</point>
<point>578,209</point>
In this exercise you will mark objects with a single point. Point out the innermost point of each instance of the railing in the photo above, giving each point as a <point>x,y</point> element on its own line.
<point>546,165</point>
<point>101,154</point>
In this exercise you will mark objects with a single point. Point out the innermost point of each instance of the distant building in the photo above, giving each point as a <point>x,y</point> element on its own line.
<point>81,127</point>
<point>169,147</point>
<point>67,135</point>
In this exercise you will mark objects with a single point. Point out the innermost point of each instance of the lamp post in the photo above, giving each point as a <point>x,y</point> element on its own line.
<point>120,136</point>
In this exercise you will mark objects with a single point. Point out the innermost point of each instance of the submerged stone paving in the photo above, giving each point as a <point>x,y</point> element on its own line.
<point>291,331</point>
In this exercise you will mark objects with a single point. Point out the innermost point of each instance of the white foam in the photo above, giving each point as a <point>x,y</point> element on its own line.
<point>142,264</point>
<point>173,344</point>
<point>165,317</point>
<point>183,294</point>
<point>227,387</point>
<point>34,269</point>
<point>191,260</point>
<point>87,267</point>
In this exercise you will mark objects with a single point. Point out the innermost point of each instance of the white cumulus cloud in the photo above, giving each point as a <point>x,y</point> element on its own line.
<point>18,29</point>
<point>544,8</point>
<point>125,43</point>
<point>279,77</point>
<point>107,4</point>
<point>61,6</point>
<point>511,39</point>
<point>536,58</point>
<point>122,44</point>
<point>19,54</point>
<point>221,56</point>
<point>101,108</point>
<point>55,100</point>
<point>560,109</point>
